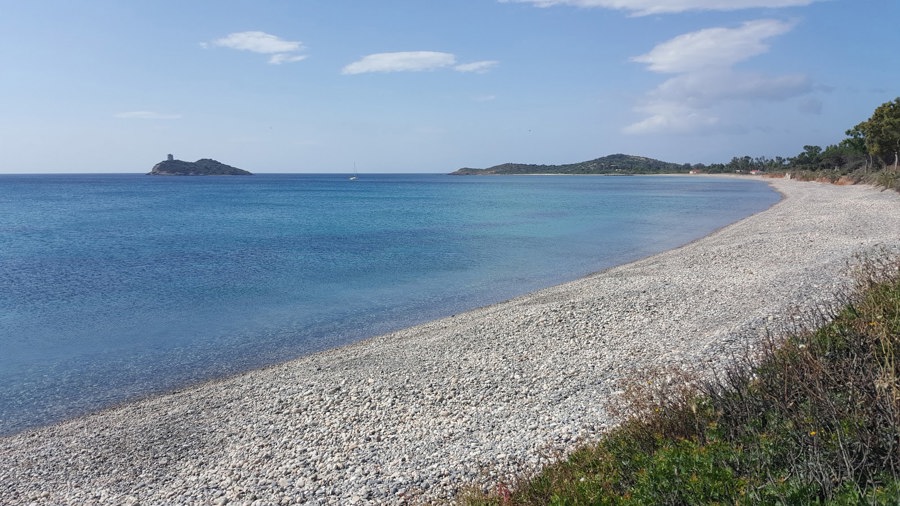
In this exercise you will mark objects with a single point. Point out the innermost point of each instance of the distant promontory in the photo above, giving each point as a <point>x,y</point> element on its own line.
<point>612,164</point>
<point>202,167</point>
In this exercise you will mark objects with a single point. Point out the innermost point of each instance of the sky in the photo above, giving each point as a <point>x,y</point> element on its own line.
<point>429,86</point>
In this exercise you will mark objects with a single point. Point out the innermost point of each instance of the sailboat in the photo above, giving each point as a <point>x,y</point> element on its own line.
<point>354,177</point>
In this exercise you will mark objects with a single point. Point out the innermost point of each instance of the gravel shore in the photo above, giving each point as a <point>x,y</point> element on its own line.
<point>413,416</point>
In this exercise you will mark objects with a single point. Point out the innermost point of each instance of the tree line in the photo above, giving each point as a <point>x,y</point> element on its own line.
<point>871,145</point>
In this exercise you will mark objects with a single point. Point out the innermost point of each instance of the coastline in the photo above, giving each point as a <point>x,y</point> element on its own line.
<point>470,399</point>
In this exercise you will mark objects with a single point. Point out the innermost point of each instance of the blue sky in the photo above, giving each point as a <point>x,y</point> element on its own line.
<point>431,86</point>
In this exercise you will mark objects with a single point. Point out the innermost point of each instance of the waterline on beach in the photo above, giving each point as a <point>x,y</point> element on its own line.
<point>122,286</point>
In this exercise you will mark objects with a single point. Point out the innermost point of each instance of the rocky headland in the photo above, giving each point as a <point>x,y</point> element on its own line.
<point>202,167</point>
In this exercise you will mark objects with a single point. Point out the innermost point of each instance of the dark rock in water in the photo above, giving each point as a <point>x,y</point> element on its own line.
<point>202,167</point>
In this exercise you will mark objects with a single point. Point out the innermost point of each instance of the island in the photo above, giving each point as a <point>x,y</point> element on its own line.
<point>202,167</point>
<point>611,164</point>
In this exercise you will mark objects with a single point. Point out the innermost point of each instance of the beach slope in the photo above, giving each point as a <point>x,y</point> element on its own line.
<point>471,399</point>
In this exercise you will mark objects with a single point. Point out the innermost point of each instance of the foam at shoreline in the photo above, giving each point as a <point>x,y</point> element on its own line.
<point>418,413</point>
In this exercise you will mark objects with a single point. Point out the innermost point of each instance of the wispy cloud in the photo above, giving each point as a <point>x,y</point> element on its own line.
<point>673,118</point>
<point>811,106</point>
<point>146,115</point>
<point>403,61</point>
<point>703,62</point>
<point>713,47</point>
<point>282,51</point>
<point>414,61</point>
<point>648,7</point>
<point>702,89</point>
<point>479,67</point>
<point>278,59</point>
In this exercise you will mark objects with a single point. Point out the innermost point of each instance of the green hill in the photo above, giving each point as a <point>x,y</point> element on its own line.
<point>612,164</point>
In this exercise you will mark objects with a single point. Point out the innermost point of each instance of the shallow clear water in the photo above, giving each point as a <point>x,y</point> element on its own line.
<point>114,287</point>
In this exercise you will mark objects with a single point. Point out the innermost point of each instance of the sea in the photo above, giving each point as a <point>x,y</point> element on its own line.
<point>118,287</point>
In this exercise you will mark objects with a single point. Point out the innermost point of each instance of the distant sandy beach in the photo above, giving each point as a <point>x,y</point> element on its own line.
<point>412,416</point>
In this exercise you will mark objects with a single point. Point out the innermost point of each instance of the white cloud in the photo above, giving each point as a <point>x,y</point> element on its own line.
<point>673,118</point>
<point>694,99</point>
<point>146,115</point>
<point>713,47</point>
<point>278,59</point>
<point>282,51</point>
<point>414,61</point>
<point>405,61</point>
<point>258,42</point>
<point>479,67</point>
<point>648,7</point>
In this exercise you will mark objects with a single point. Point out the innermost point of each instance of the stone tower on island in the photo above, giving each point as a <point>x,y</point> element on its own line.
<point>170,158</point>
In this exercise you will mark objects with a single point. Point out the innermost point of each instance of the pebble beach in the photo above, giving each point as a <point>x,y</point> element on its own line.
<point>471,400</point>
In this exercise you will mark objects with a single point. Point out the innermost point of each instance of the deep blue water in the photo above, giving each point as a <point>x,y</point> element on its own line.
<point>113,287</point>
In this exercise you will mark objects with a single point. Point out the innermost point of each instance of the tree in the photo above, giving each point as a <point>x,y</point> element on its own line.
<point>855,141</point>
<point>809,159</point>
<point>843,155</point>
<point>855,147</point>
<point>882,132</point>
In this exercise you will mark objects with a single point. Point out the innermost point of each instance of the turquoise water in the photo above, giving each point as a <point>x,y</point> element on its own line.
<point>114,287</point>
